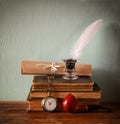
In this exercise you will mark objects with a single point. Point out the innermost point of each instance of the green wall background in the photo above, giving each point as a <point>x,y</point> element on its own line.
<point>45,30</point>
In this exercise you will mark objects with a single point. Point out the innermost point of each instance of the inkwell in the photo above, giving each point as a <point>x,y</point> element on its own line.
<point>70,69</point>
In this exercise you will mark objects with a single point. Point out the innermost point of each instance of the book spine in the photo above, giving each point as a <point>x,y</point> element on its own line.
<point>93,95</point>
<point>63,88</point>
<point>35,104</point>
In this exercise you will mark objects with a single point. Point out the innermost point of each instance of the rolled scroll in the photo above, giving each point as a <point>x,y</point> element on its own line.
<point>50,68</point>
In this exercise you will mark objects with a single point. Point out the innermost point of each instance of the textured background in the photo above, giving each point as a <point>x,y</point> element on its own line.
<point>45,30</point>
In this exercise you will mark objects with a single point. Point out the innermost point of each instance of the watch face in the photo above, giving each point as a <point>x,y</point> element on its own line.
<point>49,103</point>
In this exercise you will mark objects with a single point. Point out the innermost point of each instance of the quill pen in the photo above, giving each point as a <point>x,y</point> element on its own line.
<point>86,36</point>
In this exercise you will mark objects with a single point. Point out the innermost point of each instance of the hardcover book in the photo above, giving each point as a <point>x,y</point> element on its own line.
<point>95,94</point>
<point>83,83</point>
<point>34,104</point>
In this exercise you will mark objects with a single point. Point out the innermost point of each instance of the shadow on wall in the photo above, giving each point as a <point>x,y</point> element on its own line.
<point>108,76</point>
<point>115,30</point>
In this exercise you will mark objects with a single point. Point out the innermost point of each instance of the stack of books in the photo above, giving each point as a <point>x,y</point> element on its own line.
<point>84,89</point>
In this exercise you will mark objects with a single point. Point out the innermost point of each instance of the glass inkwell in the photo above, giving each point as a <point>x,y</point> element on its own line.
<point>70,69</point>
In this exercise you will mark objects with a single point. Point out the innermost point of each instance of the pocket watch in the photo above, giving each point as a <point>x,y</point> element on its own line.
<point>49,103</point>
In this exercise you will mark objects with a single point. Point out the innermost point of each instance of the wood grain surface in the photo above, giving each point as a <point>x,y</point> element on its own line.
<point>15,113</point>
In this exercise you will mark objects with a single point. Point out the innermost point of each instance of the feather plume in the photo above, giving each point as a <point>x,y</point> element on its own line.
<point>86,36</point>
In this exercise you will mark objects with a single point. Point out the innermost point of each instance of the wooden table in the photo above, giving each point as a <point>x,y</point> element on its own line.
<point>15,113</point>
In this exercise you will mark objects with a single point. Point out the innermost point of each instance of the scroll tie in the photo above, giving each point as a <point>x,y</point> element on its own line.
<point>52,66</point>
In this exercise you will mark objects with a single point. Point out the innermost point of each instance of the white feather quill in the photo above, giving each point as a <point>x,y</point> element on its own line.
<point>86,36</point>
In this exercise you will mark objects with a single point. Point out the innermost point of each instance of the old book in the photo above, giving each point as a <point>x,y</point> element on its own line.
<point>44,68</point>
<point>83,83</point>
<point>34,104</point>
<point>95,94</point>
